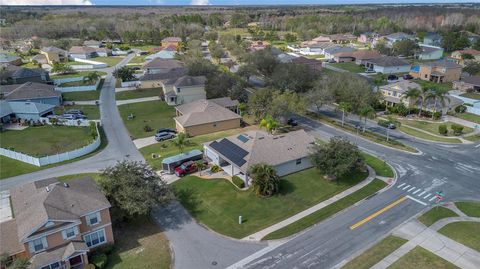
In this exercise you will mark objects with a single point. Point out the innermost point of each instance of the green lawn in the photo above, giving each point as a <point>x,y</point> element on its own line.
<point>144,47</point>
<point>156,114</point>
<point>77,74</point>
<point>471,95</point>
<point>464,232</point>
<point>110,61</point>
<point>426,136</point>
<point>46,140</point>
<point>420,258</point>
<point>217,204</point>
<point>447,86</point>
<point>435,214</point>
<point>138,59</point>
<point>95,176</point>
<point>328,211</point>
<point>84,95</point>
<point>139,243</point>
<point>350,66</point>
<point>77,83</point>
<point>30,65</point>
<point>381,168</point>
<point>376,253</point>
<point>468,116</point>
<point>432,127</point>
<point>471,209</point>
<point>91,111</point>
<point>138,93</point>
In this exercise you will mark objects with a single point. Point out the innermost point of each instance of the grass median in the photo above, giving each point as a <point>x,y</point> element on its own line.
<point>420,258</point>
<point>426,136</point>
<point>327,211</point>
<point>471,209</point>
<point>464,232</point>
<point>435,214</point>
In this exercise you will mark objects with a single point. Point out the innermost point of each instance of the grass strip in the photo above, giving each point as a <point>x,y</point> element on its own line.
<point>420,258</point>
<point>381,167</point>
<point>425,136</point>
<point>464,232</point>
<point>435,214</point>
<point>471,209</point>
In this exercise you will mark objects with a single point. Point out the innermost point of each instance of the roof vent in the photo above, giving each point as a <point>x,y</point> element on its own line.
<point>65,184</point>
<point>47,189</point>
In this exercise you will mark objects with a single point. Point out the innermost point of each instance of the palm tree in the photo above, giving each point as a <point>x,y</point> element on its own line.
<point>181,141</point>
<point>345,108</point>
<point>265,179</point>
<point>439,95</point>
<point>269,124</point>
<point>91,77</point>
<point>409,95</point>
<point>366,112</point>
<point>200,166</point>
<point>425,94</point>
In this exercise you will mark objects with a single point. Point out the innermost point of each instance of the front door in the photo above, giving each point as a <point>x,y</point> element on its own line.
<point>76,260</point>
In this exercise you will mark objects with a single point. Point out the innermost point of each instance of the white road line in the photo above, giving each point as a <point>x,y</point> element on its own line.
<point>477,146</point>
<point>411,189</point>
<point>431,199</point>
<point>422,193</point>
<point>416,191</point>
<point>401,185</point>
<point>406,187</point>
<point>413,199</point>
<point>427,196</point>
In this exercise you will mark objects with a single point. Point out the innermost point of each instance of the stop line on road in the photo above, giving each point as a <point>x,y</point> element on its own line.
<point>417,194</point>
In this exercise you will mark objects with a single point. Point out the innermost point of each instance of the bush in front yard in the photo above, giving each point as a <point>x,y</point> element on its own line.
<point>442,129</point>
<point>238,182</point>
<point>99,260</point>
<point>147,128</point>
<point>215,169</point>
<point>457,129</point>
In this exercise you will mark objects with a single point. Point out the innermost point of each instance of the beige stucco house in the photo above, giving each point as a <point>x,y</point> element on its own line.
<point>54,54</point>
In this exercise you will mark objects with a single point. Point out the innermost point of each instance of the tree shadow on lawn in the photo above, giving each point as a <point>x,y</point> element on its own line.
<point>189,198</point>
<point>285,187</point>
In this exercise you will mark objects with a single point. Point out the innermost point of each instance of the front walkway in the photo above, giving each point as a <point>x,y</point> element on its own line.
<point>260,234</point>
<point>429,239</point>
<point>138,100</point>
<point>143,142</point>
<point>461,122</point>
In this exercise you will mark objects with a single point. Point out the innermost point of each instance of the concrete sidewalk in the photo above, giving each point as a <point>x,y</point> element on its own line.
<point>462,122</point>
<point>138,100</point>
<point>440,245</point>
<point>143,142</point>
<point>260,234</point>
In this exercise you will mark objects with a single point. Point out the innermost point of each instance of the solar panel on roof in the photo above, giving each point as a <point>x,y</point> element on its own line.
<point>231,151</point>
<point>242,138</point>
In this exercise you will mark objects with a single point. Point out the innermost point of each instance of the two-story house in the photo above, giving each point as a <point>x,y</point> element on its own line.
<point>438,71</point>
<point>393,93</point>
<point>56,224</point>
<point>158,66</point>
<point>184,90</point>
<point>52,54</point>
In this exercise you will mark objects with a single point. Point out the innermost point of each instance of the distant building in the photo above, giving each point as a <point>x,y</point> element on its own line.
<point>332,51</point>
<point>53,54</point>
<point>368,37</point>
<point>171,41</point>
<point>6,59</point>
<point>12,74</point>
<point>460,56</point>
<point>84,52</point>
<point>163,54</point>
<point>428,52</point>
<point>438,71</point>
<point>432,39</point>
<point>392,38</point>
<point>313,64</point>
<point>467,83</point>
<point>33,92</point>
<point>158,65</point>
<point>361,56</point>
<point>92,44</point>
<point>387,65</point>
<point>184,90</point>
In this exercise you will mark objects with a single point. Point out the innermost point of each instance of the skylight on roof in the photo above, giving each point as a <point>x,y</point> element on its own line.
<point>242,138</point>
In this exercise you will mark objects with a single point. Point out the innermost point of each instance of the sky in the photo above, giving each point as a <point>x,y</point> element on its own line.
<point>215,2</point>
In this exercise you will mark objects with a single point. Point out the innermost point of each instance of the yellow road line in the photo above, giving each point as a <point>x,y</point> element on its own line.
<point>367,219</point>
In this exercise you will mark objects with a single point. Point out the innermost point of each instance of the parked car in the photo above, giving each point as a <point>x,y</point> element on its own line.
<point>292,122</point>
<point>67,116</point>
<point>392,78</point>
<point>407,77</point>
<point>166,130</point>
<point>387,124</point>
<point>74,111</point>
<point>164,136</point>
<point>186,168</point>
<point>332,61</point>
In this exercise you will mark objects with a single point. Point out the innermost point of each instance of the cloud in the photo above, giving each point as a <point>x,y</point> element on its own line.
<point>46,2</point>
<point>200,2</point>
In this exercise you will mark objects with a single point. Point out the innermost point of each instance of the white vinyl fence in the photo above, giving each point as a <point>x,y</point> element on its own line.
<point>127,84</point>
<point>75,88</point>
<point>473,104</point>
<point>60,157</point>
<point>88,64</point>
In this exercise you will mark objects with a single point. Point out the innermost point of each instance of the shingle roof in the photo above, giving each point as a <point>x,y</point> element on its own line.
<point>187,81</point>
<point>203,111</point>
<point>401,86</point>
<point>262,147</point>
<point>30,107</point>
<point>429,49</point>
<point>172,39</point>
<point>92,42</point>
<point>53,49</point>
<point>5,109</point>
<point>475,80</point>
<point>5,58</point>
<point>28,91</point>
<point>60,253</point>
<point>81,50</point>
<point>442,63</point>
<point>17,72</point>
<point>33,206</point>
<point>389,61</point>
<point>399,36</point>
<point>224,101</point>
<point>171,74</point>
<point>366,54</point>
<point>9,238</point>
<point>335,50</point>
<point>158,63</point>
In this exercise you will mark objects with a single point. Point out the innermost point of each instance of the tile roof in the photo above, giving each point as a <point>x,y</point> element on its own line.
<point>28,91</point>
<point>203,111</point>
<point>262,147</point>
<point>187,81</point>
<point>158,63</point>
<point>389,61</point>
<point>33,206</point>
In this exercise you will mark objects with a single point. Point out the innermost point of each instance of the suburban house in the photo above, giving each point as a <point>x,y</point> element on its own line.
<point>393,94</point>
<point>335,38</point>
<point>184,89</point>
<point>171,41</point>
<point>156,80</point>
<point>56,224</point>
<point>428,52</point>
<point>387,65</point>
<point>313,64</point>
<point>368,37</point>
<point>331,52</point>
<point>432,39</point>
<point>361,56</point>
<point>6,59</point>
<point>49,55</point>
<point>84,52</point>
<point>438,71</point>
<point>286,57</point>
<point>392,38</point>
<point>459,55</point>
<point>313,49</point>
<point>92,44</point>
<point>287,153</point>
<point>12,74</point>
<point>158,65</point>
<point>467,83</point>
<point>32,92</point>
<point>23,110</point>
<point>258,45</point>
<point>207,116</point>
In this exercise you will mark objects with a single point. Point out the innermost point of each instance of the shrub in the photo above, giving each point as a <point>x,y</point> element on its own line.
<point>89,266</point>
<point>437,115</point>
<point>215,169</point>
<point>147,128</point>
<point>457,129</point>
<point>99,260</point>
<point>461,109</point>
<point>238,182</point>
<point>442,129</point>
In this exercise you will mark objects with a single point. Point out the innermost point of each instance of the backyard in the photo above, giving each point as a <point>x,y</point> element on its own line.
<point>77,83</point>
<point>350,66</point>
<point>447,86</point>
<point>76,74</point>
<point>46,140</point>
<point>110,61</point>
<point>84,95</point>
<point>155,114</point>
<point>217,203</point>
<point>137,93</point>
<point>91,111</point>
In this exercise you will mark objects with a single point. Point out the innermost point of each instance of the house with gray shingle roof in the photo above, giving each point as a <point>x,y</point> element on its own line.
<point>6,59</point>
<point>31,92</point>
<point>12,74</point>
<point>24,110</point>
<point>56,224</point>
<point>185,89</point>
<point>286,153</point>
<point>388,65</point>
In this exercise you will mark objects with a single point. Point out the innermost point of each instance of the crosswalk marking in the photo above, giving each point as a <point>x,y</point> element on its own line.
<point>412,188</point>
<point>427,196</point>
<point>422,193</point>
<point>406,187</point>
<point>431,199</point>
<point>401,185</point>
<point>416,191</point>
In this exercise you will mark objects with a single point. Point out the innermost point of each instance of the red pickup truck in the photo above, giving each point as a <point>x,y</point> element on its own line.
<point>186,168</point>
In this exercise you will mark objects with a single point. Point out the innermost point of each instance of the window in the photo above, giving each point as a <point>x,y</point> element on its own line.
<point>38,245</point>
<point>426,76</point>
<point>95,238</point>
<point>69,233</point>
<point>178,89</point>
<point>215,124</point>
<point>54,265</point>
<point>298,161</point>
<point>93,218</point>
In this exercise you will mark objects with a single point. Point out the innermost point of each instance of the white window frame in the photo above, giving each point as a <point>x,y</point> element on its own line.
<point>65,233</point>
<point>298,161</point>
<point>98,232</point>
<point>50,266</point>
<point>32,244</point>
<point>96,215</point>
